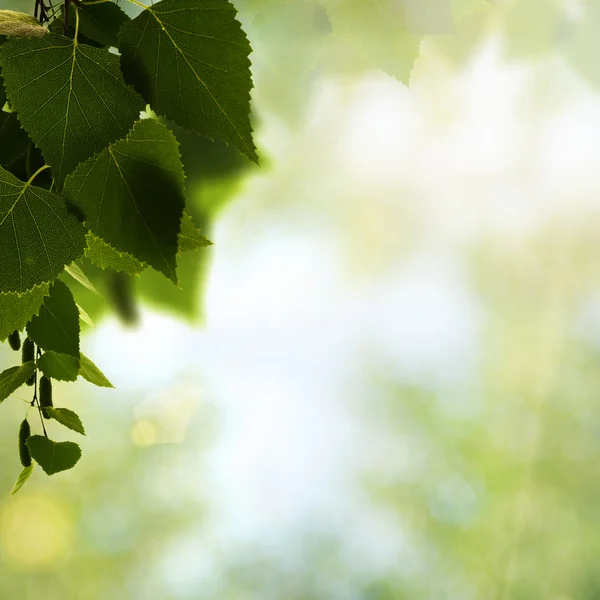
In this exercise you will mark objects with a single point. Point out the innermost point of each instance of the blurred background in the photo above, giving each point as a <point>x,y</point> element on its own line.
<point>382,382</point>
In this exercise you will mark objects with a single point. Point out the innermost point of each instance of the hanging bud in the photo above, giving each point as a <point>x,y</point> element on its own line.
<point>45,395</point>
<point>14,341</point>
<point>24,433</point>
<point>28,355</point>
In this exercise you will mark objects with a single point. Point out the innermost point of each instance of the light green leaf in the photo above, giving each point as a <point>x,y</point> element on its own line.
<point>189,60</point>
<point>62,367</point>
<point>106,257</point>
<point>38,236</point>
<point>56,327</point>
<point>23,478</point>
<point>76,272</point>
<point>53,457</point>
<point>190,237</point>
<point>20,24</point>
<point>16,310</point>
<point>70,98</point>
<point>132,195</point>
<point>85,317</point>
<point>12,379</point>
<point>93,374</point>
<point>67,418</point>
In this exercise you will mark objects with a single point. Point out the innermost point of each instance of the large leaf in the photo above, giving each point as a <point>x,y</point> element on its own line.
<point>38,236</point>
<point>189,60</point>
<point>132,195</point>
<point>56,328</point>
<point>53,457</point>
<point>12,379</point>
<point>16,310</point>
<point>70,98</point>
<point>67,417</point>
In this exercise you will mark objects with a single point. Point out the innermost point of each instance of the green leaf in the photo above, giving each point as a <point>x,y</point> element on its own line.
<point>16,310</point>
<point>23,478</point>
<point>53,457</point>
<point>76,272</point>
<point>67,418</point>
<point>12,379</point>
<point>132,195</point>
<point>93,374</point>
<point>56,327</point>
<point>13,140</point>
<point>106,257</point>
<point>190,237</point>
<point>62,367</point>
<point>100,22</point>
<point>189,60</point>
<point>70,98</point>
<point>38,236</point>
<point>20,24</point>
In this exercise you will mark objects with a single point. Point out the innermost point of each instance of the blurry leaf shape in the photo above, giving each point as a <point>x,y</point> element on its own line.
<point>23,478</point>
<point>53,457</point>
<point>62,367</point>
<point>120,290</point>
<point>20,24</point>
<point>16,310</point>
<point>66,417</point>
<point>177,45</point>
<point>92,373</point>
<point>90,103</point>
<point>29,216</point>
<point>531,27</point>
<point>85,317</point>
<point>56,327</point>
<point>12,379</point>
<point>132,195</point>
<point>582,45</point>
<point>76,272</point>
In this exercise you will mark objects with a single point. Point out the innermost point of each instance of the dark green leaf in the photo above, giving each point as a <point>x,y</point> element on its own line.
<point>92,373</point>
<point>16,310</point>
<point>23,478</point>
<point>62,367</point>
<point>100,22</point>
<point>12,379</point>
<point>67,418</point>
<point>71,98</point>
<point>56,327</point>
<point>38,236</point>
<point>189,60</point>
<point>53,457</point>
<point>13,140</point>
<point>132,195</point>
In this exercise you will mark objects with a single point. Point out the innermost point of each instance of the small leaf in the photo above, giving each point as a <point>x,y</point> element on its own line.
<point>57,325</point>
<point>23,478</point>
<point>30,217</point>
<point>106,257</point>
<point>132,195</point>
<point>61,367</point>
<point>93,374</point>
<point>76,272</point>
<point>20,24</point>
<point>16,310</point>
<point>53,457</point>
<point>190,61</point>
<point>190,237</point>
<point>85,317</point>
<point>12,379</point>
<point>67,418</point>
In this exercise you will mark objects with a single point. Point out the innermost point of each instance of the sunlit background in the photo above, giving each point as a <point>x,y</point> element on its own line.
<point>386,385</point>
